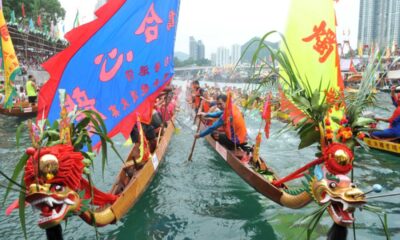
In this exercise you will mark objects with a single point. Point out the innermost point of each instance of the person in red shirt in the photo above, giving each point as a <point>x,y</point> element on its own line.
<point>394,121</point>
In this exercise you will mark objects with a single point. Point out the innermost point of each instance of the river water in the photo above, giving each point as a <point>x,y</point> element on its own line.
<point>205,199</point>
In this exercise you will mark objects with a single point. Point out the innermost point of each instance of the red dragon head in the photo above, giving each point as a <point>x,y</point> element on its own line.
<point>53,177</point>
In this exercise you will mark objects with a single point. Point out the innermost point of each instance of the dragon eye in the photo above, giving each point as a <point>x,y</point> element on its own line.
<point>57,188</point>
<point>353,185</point>
<point>332,185</point>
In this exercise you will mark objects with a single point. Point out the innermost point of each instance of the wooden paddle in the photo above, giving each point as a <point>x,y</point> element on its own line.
<point>198,128</point>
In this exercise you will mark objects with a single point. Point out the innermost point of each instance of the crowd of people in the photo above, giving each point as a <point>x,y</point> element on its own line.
<point>27,93</point>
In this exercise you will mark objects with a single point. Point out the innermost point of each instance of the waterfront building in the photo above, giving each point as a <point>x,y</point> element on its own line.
<point>223,57</point>
<point>379,23</point>
<point>235,53</point>
<point>196,49</point>
<point>200,50</point>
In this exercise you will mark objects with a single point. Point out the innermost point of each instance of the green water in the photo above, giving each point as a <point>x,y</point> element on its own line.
<point>205,199</point>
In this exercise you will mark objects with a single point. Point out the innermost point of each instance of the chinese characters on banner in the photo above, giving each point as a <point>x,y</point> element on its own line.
<point>325,40</point>
<point>121,66</point>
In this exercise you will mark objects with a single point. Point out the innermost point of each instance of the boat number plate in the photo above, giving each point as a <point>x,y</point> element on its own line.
<point>28,110</point>
<point>154,160</point>
<point>221,150</point>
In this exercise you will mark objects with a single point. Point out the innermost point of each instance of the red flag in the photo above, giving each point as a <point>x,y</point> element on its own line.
<point>352,68</point>
<point>39,21</point>
<point>266,115</point>
<point>23,10</point>
<point>227,117</point>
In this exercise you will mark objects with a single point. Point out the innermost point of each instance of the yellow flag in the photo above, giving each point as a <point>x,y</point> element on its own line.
<point>311,39</point>
<point>9,62</point>
<point>360,50</point>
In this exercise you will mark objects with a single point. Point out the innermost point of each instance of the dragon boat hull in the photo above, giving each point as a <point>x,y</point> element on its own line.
<point>130,188</point>
<point>260,183</point>
<point>384,145</point>
<point>20,110</point>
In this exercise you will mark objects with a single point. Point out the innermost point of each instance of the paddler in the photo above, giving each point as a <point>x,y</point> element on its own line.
<point>235,132</point>
<point>197,93</point>
<point>394,121</point>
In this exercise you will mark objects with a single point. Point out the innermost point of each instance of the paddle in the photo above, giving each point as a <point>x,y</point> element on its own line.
<point>198,128</point>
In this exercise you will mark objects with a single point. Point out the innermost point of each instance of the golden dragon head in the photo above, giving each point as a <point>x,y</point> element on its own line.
<point>340,191</point>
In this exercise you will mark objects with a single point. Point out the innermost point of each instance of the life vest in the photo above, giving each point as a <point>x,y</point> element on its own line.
<point>206,107</point>
<point>237,131</point>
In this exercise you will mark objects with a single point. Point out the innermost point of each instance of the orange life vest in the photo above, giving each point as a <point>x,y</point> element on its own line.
<point>206,107</point>
<point>238,126</point>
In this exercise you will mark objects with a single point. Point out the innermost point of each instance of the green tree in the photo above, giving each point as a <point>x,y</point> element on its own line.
<point>47,9</point>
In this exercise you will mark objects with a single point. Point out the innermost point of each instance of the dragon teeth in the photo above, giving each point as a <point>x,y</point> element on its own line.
<point>49,202</point>
<point>345,206</point>
<point>69,201</point>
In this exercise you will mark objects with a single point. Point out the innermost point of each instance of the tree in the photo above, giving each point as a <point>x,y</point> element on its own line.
<point>49,10</point>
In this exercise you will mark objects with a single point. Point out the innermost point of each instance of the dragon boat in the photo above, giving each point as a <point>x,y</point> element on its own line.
<point>382,144</point>
<point>23,109</point>
<point>327,185</point>
<point>57,203</point>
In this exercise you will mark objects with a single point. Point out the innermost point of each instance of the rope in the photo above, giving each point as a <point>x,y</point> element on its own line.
<point>298,173</point>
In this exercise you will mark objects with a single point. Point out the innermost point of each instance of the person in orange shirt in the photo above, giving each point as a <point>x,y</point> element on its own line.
<point>235,134</point>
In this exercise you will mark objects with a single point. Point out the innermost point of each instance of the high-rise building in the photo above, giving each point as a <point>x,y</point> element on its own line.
<point>200,50</point>
<point>379,23</point>
<point>223,57</point>
<point>235,53</point>
<point>193,49</point>
<point>196,49</point>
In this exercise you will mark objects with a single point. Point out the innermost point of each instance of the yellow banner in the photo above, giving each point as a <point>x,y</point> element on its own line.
<point>9,62</point>
<point>311,39</point>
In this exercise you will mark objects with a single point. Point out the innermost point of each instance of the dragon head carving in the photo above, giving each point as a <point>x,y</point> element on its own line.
<point>53,176</point>
<point>343,195</point>
<point>55,184</point>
